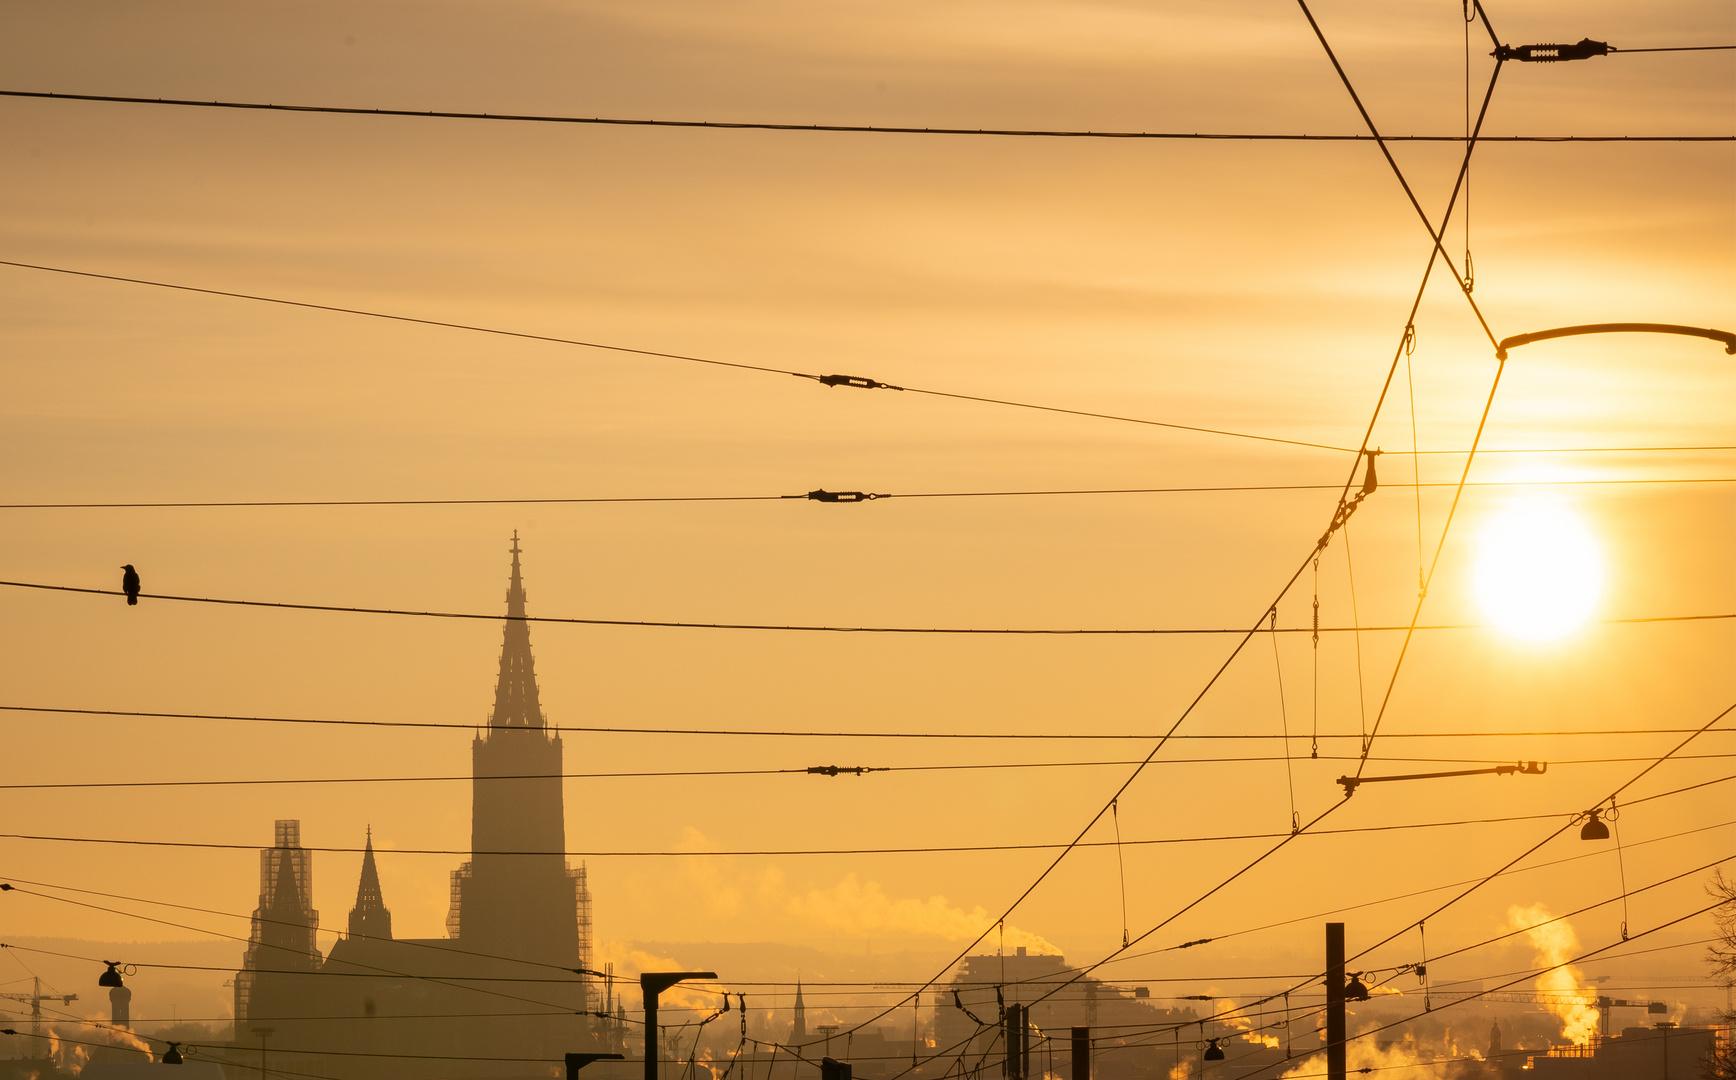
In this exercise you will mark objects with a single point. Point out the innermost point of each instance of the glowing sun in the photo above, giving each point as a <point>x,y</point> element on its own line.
<point>1539,571</point>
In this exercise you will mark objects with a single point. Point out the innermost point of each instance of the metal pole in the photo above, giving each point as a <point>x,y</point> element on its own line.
<point>652,983</point>
<point>1081,1053</point>
<point>1335,1058</point>
<point>1024,1042</point>
<point>650,1033</point>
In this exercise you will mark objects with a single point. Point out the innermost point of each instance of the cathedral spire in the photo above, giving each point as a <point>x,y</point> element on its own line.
<point>370,917</point>
<point>515,696</point>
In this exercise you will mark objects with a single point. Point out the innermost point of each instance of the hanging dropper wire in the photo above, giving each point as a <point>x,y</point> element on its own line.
<point>1356,622</point>
<point>1284,717</point>
<point>1115,815</point>
<point>1410,346</point>
<point>1288,1021</point>
<point>1314,750</point>
<point>1423,968</point>
<point>1614,817</point>
<point>1470,17</point>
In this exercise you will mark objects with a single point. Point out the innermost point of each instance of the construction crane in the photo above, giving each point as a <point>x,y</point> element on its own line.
<point>35,999</point>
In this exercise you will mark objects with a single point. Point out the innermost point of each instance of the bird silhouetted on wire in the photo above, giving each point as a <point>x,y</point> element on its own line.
<point>130,584</point>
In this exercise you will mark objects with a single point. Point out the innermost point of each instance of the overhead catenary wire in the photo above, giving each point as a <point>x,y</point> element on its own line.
<point>219,504</point>
<point>1481,943</point>
<point>1316,916</point>
<point>906,850</point>
<point>1437,251</point>
<point>1467,268</point>
<point>837,733</point>
<point>784,627</point>
<point>1509,864</point>
<point>859,129</point>
<point>1613,50</point>
<point>1526,977</point>
<point>825,380</point>
<point>1284,721</point>
<point>861,770</point>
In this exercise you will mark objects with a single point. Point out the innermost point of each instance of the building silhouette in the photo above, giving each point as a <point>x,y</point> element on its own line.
<point>500,995</point>
<point>370,918</point>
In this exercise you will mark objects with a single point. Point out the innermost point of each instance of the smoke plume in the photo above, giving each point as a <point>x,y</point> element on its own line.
<point>1554,942</point>
<point>1365,1055</point>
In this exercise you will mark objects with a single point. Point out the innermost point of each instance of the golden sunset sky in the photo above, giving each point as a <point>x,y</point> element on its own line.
<point>1257,287</point>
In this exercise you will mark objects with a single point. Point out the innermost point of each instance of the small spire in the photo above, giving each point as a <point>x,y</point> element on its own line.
<point>516,702</point>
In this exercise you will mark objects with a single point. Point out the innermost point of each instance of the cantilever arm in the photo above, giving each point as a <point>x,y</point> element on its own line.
<point>1517,340</point>
<point>1523,768</point>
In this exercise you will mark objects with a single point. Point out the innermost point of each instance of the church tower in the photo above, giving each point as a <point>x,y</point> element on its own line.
<point>370,917</point>
<point>283,940</point>
<point>516,897</point>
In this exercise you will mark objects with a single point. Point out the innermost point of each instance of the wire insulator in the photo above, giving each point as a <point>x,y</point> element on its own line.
<point>857,381</point>
<point>822,495</point>
<point>1583,49</point>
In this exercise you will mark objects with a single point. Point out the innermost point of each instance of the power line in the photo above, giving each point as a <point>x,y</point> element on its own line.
<point>835,734</point>
<point>1437,251</point>
<point>852,496</point>
<point>1484,942</point>
<point>1485,451</point>
<point>1539,845</point>
<point>1526,977</point>
<point>1674,48</point>
<point>1317,916</point>
<point>794,627</point>
<point>863,129</point>
<point>809,771</point>
<point>912,850</point>
<point>857,382</point>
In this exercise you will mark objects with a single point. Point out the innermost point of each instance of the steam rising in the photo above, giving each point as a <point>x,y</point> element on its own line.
<point>1365,1054</point>
<point>1554,942</point>
<point>852,906</point>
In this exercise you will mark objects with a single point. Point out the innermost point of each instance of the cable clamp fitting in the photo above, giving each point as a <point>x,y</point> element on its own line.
<point>834,770</point>
<point>1197,941</point>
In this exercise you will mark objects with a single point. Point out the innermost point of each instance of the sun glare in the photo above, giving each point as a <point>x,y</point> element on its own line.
<point>1539,571</point>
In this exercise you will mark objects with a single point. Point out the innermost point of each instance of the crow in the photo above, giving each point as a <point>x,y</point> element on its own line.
<point>130,584</point>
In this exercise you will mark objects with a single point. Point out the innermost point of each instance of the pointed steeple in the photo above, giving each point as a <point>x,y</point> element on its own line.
<point>515,695</point>
<point>286,905</point>
<point>799,1028</point>
<point>370,917</point>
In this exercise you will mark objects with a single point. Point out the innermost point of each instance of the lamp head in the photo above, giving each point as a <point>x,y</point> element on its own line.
<point>111,977</point>
<point>172,1056</point>
<point>1214,1052</point>
<point>1355,989</point>
<point>1594,829</point>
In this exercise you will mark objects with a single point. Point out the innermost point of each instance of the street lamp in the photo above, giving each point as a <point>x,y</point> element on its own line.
<point>652,983</point>
<point>264,1033</point>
